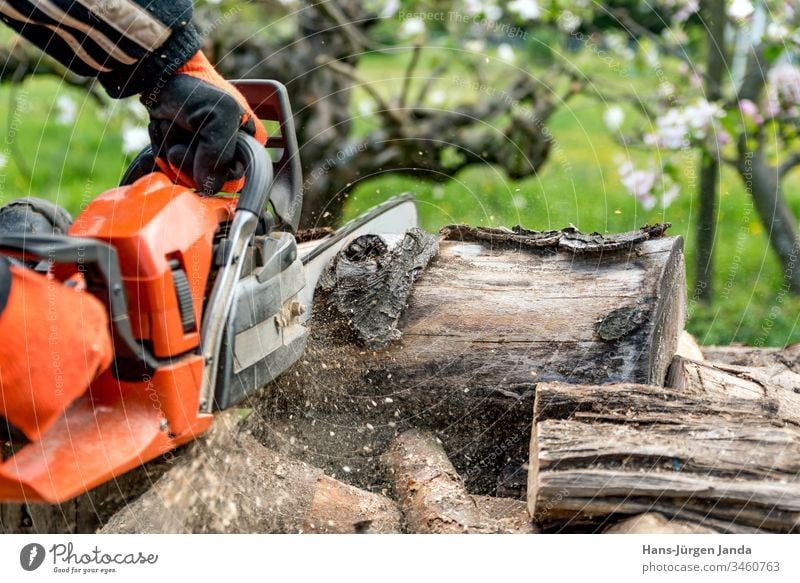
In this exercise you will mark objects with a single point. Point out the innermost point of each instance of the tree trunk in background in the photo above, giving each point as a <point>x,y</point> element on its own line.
<point>706,227</point>
<point>762,179</point>
<point>710,164</point>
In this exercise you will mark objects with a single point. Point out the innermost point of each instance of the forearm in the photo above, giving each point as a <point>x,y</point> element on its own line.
<point>127,44</point>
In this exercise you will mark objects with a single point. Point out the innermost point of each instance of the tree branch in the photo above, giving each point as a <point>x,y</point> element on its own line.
<point>389,113</point>
<point>637,30</point>
<point>789,164</point>
<point>412,64</point>
<point>358,40</point>
<point>431,79</point>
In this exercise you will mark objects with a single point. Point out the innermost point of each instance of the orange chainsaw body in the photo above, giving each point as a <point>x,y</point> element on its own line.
<point>146,250</point>
<point>118,424</point>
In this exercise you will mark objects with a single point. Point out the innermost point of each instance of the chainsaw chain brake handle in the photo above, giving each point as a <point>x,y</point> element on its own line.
<point>269,100</point>
<point>252,200</point>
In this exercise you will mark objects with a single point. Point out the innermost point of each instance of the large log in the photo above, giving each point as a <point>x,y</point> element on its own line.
<point>729,463</point>
<point>490,316</point>
<point>231,483</point>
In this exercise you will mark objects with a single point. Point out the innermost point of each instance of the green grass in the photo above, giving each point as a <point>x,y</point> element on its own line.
<point>70,164</point>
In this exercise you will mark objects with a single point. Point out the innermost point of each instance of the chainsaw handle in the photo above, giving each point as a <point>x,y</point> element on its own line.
<point>257,174</point>
<point>258,171</point>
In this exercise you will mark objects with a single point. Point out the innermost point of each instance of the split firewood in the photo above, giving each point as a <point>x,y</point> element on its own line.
<point>774,385</point>
<point>727,463</point>
<point>488,318</point>
<point>751,356</point>
<point>433,497</point>
<point>234,484</point>
<point>689,348</point>
<point>655,523</point>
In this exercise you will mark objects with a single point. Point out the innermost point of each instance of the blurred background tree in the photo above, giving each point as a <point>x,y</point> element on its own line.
<point>541,112</point>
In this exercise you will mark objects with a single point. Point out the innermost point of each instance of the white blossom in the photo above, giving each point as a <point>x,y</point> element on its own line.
<point>66,110</point>
<point>568,22</point>
<point>783,94</point>
<point>669,195</point>
<point>639,183</point>
<point>412,27</point>
<point>437,97</point>
<point>134,139</point>
<point>390,8</point>
<point>679,125</point>
<point>740,9</point>
<point>681,9</point>
<point>613,117</point>
<point>525,9</point>
<point>642,185</point>
<point>506,53</point>
<point>777,32</point>
<point>475,45</point>
<point>364,106</point>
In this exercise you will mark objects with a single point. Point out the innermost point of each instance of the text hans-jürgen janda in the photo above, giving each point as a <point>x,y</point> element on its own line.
<point>684,550</point>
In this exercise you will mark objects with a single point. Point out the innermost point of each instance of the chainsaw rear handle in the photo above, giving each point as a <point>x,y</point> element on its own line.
<point>257,171</point>
<point>257,174</point>
<point>269,100</point>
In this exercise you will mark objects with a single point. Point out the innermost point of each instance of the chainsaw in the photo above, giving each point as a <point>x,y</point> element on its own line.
<point>208,301</point>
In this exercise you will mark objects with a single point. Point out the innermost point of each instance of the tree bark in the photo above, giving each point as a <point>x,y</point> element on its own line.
<point>432,495</point>
<point>763,181</point>
<point>689,454</point>
<point>772,386</point>
<point>483,324</point>
<point>714,14</point>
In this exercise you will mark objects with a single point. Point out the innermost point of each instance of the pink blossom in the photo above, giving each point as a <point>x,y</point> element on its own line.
<point>750,110</point>
<point>784,87</point>
<point>639,182</point>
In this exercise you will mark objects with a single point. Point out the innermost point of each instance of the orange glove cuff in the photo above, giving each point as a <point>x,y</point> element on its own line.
<point>200,67</point>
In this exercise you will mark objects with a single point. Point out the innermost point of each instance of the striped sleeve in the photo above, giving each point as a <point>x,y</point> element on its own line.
<point>127,44</point>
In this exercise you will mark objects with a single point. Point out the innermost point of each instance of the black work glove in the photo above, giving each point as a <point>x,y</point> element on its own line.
<point>194,118</point>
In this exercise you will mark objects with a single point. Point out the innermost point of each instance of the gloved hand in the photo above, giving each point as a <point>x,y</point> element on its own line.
<point>194,118</point>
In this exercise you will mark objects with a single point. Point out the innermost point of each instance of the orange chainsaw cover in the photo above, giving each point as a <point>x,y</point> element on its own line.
<point>151,223</point>
<point>55,341</point>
